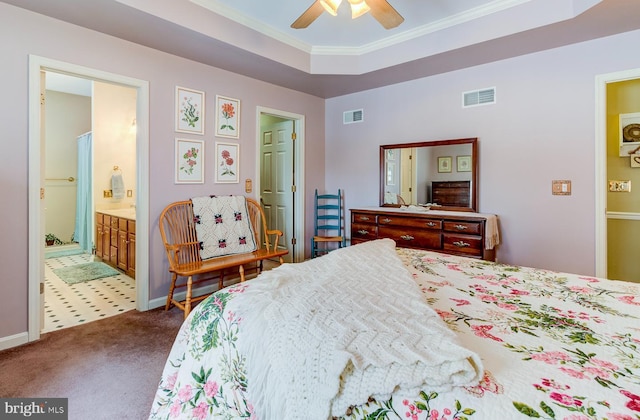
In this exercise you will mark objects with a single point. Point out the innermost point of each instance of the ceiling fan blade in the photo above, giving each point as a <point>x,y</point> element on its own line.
<point>384,13</point>
<point>308,16</point>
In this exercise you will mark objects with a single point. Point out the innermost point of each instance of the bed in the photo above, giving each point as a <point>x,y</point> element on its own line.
<point>548,345</point>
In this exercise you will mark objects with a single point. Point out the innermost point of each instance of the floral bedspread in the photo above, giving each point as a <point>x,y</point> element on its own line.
<point>553,345</point>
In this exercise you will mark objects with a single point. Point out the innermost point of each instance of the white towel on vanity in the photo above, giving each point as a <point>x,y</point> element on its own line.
<point>117,186</point>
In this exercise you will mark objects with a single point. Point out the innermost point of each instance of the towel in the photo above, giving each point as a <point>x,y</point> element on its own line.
<point>117,186</point>
<point>492,235</point>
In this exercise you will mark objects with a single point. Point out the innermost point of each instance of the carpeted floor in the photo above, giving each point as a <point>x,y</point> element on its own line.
<point>109,369</point>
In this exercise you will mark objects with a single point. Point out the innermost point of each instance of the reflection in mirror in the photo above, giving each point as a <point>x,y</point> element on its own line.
<point>440,173</point>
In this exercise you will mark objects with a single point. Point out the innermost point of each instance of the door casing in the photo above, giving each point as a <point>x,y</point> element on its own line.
<point>299,202</point>
<point>601,163</point>
<point>36,215</point>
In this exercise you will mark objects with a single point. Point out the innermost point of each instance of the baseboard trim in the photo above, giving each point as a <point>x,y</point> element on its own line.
<point>14,340</point>
<point>204,290</point>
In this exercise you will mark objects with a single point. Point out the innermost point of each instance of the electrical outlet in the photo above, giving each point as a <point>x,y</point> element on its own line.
<point>620,186</point>
<point>107,194</point>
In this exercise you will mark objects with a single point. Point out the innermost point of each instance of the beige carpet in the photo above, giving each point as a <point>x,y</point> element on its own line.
<point>109,369</point>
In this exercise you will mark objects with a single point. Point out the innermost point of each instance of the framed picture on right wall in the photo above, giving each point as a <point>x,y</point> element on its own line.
<point>227,162</point>
<point>463,163</point>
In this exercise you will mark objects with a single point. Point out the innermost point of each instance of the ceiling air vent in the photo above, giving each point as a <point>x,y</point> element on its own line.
<point>350,117</point>
<point>479,97</point>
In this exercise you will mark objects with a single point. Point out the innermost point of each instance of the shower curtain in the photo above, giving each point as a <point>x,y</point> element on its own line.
<point>84,204</point>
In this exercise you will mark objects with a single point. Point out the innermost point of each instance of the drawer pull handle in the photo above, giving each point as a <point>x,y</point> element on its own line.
<point>431,224</point>
<point>407,237</point>
<point>386,220</point>
<point>461,244</point>
<point>363,232</point>
<point>460,227</point>
<point>364,218</point>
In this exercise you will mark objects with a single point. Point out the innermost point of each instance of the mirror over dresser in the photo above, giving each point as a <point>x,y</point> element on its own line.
<point>442,172</point>
<point>428,200</point>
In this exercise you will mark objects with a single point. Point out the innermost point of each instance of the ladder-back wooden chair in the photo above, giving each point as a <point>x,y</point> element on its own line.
<point>329,224</point>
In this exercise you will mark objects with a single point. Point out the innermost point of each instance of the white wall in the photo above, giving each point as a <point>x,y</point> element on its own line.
<point>30,33</point>
<point>541,128</point>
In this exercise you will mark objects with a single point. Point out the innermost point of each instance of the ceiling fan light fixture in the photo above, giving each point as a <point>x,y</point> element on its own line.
<point>331,6</point>
<point>358,8</point>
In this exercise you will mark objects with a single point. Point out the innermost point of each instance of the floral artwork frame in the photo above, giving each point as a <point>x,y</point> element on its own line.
<point>227,117</point>
<point>227,163</point>
<point>444,164</point>
<point>190,111</point>
<point>463,163</point>
<point>189,161</point>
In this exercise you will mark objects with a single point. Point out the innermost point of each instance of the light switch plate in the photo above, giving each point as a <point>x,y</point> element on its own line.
<point>561,187</point>
<point>620,186</point>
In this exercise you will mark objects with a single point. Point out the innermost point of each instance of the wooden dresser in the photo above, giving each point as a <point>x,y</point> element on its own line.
<point>451,193</point>
<point>458,233</point>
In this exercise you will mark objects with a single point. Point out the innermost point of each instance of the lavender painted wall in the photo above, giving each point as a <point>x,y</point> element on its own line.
<point>28,33</point>
<point>541,128</point>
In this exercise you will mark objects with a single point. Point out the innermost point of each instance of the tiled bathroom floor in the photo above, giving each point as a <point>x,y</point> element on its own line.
<point>67,305</point>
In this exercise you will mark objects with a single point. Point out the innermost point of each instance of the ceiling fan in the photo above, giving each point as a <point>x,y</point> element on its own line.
<point>381,10</point>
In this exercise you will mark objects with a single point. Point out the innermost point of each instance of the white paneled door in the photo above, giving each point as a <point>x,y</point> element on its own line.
<point>276,178</point>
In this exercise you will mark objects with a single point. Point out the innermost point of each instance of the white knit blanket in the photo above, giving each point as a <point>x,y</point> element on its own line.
<point>333,331</point>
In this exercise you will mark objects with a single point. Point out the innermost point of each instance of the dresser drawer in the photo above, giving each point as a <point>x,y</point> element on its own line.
<point>471,228</point>
<point>463,244</point>
<point>363,218</point>
<point>363,231</point>
<point>413,222</point>
<point>411,237</point>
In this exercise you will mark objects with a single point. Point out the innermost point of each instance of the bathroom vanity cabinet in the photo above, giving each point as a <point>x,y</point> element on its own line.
<point>116,241</point>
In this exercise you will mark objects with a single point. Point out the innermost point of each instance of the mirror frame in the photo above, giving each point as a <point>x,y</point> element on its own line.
<point>473,141</point>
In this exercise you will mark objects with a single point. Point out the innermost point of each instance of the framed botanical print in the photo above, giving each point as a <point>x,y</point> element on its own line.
<point>444,164</point>
<point>227,155</point>
<point>227,117</point>
<point>463,163</point>
<point>189,111</point>
<point>189,161</point>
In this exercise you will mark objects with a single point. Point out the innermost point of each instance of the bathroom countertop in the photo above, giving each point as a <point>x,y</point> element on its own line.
<point>127,213</point>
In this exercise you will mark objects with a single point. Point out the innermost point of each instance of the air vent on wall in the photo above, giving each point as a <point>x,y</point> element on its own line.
<point>479,97</point>
<point>355,116</point>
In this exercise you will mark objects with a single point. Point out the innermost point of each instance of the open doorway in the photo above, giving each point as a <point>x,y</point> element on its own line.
<point>37,187</point>
<point>617,215</point>
<point>280,184</point>
<point>83,119</point>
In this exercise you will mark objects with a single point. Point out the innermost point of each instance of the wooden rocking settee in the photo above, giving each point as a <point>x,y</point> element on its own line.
<point>178,231</point>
